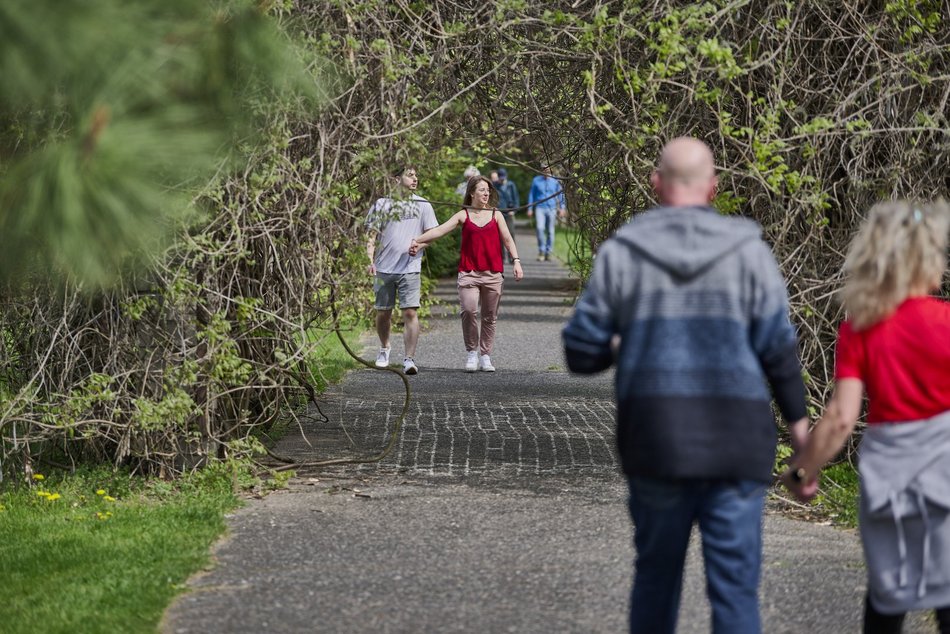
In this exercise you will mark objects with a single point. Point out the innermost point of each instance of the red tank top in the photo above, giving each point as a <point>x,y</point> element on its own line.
<point>481,246</point>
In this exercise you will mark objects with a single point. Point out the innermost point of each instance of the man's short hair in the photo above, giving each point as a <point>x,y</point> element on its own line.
<point>399,170</point>
<point>502,172</point>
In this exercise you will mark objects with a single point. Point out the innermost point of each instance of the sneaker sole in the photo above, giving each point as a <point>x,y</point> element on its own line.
<point>382,365</point>
<point>411,371</point>
<point>467,369</point>
<point>487,369</point>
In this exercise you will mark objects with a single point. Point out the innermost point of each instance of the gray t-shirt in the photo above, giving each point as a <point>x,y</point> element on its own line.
<point>398,222</point>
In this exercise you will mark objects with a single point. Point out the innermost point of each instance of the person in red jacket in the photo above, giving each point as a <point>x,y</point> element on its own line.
<point>481,267</point>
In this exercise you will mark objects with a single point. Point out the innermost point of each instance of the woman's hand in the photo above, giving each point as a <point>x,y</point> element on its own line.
<point>519,272</point>
<point>414,247</point>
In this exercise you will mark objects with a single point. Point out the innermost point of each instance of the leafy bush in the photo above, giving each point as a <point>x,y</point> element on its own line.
<point>814,110</point>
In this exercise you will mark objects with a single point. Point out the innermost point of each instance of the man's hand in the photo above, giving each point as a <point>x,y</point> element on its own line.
<point>798,435</point>
<point>519,272</point>
<point>371,252</point>
<point>530,212</point>
<point>414,247</point>
<point>562,213</point>
<point>803,491</point>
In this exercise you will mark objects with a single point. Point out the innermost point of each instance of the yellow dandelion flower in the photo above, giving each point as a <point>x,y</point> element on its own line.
<point>100,491</point>
<point>53,497</point>
<point>39,476</point>
<point>2,508</point>
<point>42,493</point>
<point>109,498</point>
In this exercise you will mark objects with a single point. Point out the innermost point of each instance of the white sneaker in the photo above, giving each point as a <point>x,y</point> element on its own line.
<point>471,361</point>
<point>409,366</point>
<point>485,364</point>
<point>382,359</point>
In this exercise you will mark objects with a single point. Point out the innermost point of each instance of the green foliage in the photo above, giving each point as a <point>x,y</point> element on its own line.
<point>94,394</point>
<point>173,409</point>
<point>116,114</point>
<point>805,134</point>
<point>572,248</point>
<point>914,18</point>
<point>783,452</point>
<point>327,359</point>
<point>223,361</point>
<point>100,551</point>
<point>838,496</point>
<point>278,480</point>
<point>728,203</point>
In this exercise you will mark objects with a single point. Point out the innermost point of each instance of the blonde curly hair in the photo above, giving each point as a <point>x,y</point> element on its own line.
<point>900,249</point>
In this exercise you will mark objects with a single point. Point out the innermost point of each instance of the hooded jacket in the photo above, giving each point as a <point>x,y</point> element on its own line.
<point>700,311</point>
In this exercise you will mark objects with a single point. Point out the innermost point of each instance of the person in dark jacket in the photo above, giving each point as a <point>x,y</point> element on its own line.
<point>508,201</point>
<point>692,310</point>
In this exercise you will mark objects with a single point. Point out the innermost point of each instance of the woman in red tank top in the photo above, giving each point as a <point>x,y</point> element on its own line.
<point>480,267</point>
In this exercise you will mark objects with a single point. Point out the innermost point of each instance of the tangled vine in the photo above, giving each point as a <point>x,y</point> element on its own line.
<point>814,110</point>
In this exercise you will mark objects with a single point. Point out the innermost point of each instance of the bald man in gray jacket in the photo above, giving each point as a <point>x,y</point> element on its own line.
<point>700,311</point>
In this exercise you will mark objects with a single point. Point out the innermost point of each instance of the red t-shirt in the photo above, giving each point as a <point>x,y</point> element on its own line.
<point>904,361</point>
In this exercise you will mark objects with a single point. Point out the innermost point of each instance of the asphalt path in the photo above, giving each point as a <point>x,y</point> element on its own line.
<point>500,508</point>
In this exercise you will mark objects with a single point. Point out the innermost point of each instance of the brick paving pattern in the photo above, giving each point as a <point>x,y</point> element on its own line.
<point>474,436</point>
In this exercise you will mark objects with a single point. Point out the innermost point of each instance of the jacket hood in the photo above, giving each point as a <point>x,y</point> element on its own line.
<point>686,240</point>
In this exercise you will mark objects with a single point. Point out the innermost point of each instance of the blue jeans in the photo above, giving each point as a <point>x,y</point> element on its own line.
<point>545,219</point>
<point>729,514</point>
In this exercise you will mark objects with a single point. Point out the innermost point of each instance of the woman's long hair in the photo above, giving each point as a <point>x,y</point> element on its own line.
<point>902,245</point>
<point>470,191</point>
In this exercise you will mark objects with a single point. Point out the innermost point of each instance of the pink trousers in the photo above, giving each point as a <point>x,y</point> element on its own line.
<point>479,287</point>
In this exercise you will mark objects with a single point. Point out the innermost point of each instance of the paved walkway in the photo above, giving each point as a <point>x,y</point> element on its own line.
<point>500,508</point>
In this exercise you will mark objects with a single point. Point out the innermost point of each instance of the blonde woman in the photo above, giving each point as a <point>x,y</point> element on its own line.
<point>481,267</point>
<point>895,346</point>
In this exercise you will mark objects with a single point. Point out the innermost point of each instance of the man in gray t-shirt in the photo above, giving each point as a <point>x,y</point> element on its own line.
<point>392,224</point>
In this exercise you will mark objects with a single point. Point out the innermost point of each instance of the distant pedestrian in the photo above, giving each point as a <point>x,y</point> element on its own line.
<point>547,203</point>
<point>894,346</point>
<point>470,172</point>
<point>392,223</point>
<point>480,268</point>
<point>508,201</point>
<point>493,176</point>
<point>692,309</point>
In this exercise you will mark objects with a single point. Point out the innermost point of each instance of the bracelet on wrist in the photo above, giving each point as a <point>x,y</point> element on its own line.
<point>516,259</point>
<point>798,475</point>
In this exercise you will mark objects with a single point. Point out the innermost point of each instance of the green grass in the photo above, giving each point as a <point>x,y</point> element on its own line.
<point>837,498</point>
<point>107,562</point>
<point>99,551</point>
<point>569,247</point>
<point>328,361</point>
